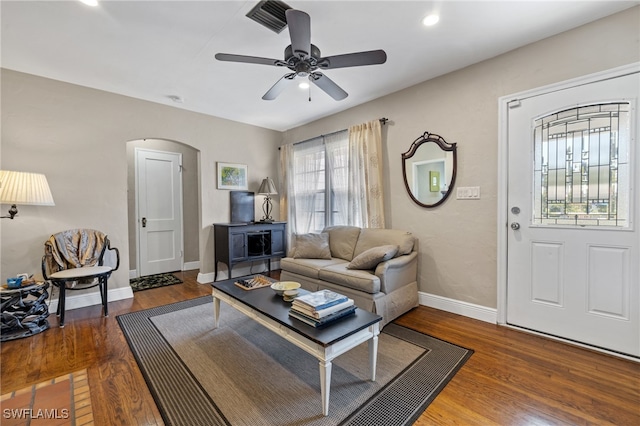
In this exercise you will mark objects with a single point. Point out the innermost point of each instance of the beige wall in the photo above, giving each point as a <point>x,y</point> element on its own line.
<point>458,240</point>
<point>78,138</point>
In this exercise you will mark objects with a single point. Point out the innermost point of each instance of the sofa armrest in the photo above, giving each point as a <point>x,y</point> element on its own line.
<point>397,272</point>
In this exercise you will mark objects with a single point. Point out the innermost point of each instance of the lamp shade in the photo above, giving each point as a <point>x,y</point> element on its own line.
<point>25,189</point>
<point>267,187</point>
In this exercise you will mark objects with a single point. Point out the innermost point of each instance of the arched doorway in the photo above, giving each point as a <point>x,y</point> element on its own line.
<point>190,200</point>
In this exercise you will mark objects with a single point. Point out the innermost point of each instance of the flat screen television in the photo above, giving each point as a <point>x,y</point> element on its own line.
<point>242,206</point>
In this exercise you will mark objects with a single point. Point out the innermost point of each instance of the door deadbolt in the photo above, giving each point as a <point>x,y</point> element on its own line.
<point>515,210</point>
<point>515,226</point>
<point>144,222</point>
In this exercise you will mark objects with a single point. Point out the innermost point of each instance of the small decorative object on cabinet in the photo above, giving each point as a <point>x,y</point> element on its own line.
<point>268,188</point>
<point>241,242</point>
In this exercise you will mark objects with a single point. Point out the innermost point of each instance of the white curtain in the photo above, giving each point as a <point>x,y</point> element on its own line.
<point>302,167</point>
<point>349,164</point>
<point>285,181</point>
<point>337,147</point>
<point>366,198</point>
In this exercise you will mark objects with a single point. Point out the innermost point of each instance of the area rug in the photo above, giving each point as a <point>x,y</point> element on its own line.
<point>65,400</point>
<point>153,281</point>
<point>243,374</point>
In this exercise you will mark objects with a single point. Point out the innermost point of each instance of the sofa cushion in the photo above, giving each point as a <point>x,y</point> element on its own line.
<point>351,278</point>
<point>369,259</point>
<point>342,240</point>
<point>373,237</point>
<point>312,246</point>
<point>307,267</point>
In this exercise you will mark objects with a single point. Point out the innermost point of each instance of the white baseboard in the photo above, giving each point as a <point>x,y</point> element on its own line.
<point>470,310</point>
<point>205,278</point>
<point>189,266</point>
<point>90,299</point>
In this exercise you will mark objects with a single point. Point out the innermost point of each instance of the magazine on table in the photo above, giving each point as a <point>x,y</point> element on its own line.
<point>314,322</point>
<point>315,313</point>
<point>320,299</point>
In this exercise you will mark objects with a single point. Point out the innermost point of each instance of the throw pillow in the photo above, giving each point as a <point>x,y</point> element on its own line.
<point>312,246</point>
<point>369,259</point>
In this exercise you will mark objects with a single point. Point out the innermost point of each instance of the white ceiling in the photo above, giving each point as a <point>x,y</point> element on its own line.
<point>154,50</point>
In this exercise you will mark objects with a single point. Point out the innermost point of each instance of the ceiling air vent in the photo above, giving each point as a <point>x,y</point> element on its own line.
<point>270,13</point>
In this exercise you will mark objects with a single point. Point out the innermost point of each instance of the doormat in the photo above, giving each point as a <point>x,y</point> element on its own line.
<point>65,400</point>
<point>153,281</point>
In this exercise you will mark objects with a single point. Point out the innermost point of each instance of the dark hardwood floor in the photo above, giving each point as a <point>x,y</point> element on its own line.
<point>513,378</point>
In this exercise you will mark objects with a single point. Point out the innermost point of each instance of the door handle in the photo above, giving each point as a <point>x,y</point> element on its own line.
<point>144,222</point>
<point>515,226</point>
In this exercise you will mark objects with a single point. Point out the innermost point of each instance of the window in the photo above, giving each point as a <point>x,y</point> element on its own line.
<point>320,182</point>
<point>581,166</point>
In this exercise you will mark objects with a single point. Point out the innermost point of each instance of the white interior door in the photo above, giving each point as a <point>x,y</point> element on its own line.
<point>159,205</point>
<point>573,193</point>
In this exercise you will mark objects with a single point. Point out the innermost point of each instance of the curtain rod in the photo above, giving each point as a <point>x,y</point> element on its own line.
<point>382,120</point>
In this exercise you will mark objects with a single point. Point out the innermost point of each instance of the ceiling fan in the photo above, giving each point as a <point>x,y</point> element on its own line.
<point>304,59</point>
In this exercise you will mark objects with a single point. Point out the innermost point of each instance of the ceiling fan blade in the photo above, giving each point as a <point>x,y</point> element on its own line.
<point>371,57</point>
<point>249,59</point>
<point>326,84</point>
<point>299,24</point>
<point>277,88</point>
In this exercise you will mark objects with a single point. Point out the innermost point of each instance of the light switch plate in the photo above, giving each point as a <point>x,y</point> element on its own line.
<point>468,193</point>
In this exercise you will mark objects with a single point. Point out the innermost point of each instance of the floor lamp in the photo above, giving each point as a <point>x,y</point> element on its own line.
<point>24,188</point>
<point>267,188</point>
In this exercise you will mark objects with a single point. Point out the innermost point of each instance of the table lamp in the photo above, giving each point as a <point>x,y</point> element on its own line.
<point>24,188</point>
<point>267,188</point>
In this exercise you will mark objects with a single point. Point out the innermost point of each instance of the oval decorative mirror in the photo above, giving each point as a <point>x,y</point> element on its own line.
<point>429,169</point>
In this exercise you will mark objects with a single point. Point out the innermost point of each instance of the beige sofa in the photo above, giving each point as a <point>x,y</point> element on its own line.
<point>377,268</point>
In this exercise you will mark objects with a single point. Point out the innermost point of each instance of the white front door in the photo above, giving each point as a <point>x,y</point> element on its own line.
<point>159,215</point>
<point>573,243</point>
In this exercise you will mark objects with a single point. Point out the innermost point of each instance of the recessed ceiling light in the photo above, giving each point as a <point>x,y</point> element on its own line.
<point>430,20</point>
<point>90,2</point>
<point>303,85</point>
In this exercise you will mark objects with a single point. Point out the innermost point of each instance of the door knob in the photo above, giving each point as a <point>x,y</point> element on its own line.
<point>515,226</point>
<point>144,222</point>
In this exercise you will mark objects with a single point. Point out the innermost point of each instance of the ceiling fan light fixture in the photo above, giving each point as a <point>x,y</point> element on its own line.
<point>303,59</point>
<point>430,20</point>
<point>303,85</point>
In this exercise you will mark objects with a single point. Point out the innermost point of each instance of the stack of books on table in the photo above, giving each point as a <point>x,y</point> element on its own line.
<point>321,307</point>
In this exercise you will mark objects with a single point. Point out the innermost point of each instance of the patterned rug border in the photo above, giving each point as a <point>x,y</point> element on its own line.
<point>154,281</point>
<point>201,409</point>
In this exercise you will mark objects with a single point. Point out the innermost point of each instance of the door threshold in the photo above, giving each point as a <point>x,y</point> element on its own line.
<point>574,343</point>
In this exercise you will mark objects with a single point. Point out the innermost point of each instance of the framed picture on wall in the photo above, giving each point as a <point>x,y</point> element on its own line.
<point>232,176</point>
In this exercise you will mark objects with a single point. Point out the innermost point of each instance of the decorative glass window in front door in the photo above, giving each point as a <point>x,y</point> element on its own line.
<point>581,166</point>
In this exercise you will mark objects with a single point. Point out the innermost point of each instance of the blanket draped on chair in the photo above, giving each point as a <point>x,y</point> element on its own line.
<point>74,248</point>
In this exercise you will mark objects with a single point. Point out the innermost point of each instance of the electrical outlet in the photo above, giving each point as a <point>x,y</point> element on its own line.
<point>468,193</point>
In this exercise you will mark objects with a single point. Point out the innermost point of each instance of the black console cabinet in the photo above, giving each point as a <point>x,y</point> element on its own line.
<point>246,242</point>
